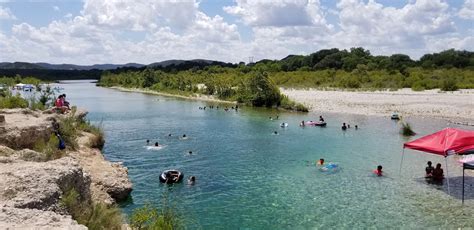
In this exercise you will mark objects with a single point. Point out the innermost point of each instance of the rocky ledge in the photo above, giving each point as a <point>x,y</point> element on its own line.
<point>31,187</point>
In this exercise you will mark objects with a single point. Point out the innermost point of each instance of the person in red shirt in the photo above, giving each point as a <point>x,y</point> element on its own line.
<point>378,171</point>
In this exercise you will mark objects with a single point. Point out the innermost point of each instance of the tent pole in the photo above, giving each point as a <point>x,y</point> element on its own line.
<point>447,172</point>
<point>463,183</point>
<point>401,162</point>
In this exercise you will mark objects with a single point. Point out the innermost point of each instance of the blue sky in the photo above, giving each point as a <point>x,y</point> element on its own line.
<point>146,31</point>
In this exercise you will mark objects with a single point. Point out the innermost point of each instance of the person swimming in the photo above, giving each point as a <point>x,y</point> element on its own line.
<point>156,144</point>
<point>320,162</point>
<point>378,171</point>
<point>190,152</point>
<point>147,142</point>
<point>344,127</point>
<point>191,180</point>
<point>302,123</point>
<point>275,132</point>
<point>169,135</point>
<point>356,127</point>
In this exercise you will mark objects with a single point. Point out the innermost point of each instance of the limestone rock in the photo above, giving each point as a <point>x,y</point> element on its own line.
<point>15,218</point>
<point>39,185</point>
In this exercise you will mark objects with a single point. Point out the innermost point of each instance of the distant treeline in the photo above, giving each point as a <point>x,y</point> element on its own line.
<point>326,59</point>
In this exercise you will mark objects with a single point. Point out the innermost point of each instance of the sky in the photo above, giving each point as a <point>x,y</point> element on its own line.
<point>146,31</point>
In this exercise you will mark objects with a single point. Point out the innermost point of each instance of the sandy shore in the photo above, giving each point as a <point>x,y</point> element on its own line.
<point>198,97</point>
<point>454,106</point>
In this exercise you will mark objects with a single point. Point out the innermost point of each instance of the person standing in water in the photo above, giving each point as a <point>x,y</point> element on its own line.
<point>344,127</point>
<point>321,119</point>
<point>378,171</point>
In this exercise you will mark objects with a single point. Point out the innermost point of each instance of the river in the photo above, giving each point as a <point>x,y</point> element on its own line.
<point>249,178</point>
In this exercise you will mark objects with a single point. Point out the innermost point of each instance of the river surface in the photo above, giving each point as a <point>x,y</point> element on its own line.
<point>249,178</point>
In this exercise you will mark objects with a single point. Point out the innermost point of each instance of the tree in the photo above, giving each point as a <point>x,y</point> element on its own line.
<point>263,91</point>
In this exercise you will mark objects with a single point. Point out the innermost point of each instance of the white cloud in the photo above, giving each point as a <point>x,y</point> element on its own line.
<point>278,13</point>
<point>467,10</point>
<point>140,15</point>
<point>56,8</point>
<point>6,14</point>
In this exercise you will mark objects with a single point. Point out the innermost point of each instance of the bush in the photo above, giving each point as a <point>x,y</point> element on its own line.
<point>151,218</point>
<point>449,85</point>
<point>406,130</point>
<point>49,148</point>
<point>94,216</point>
<point>98,140</point>
<point>11,102</point>
<point>288,104</point>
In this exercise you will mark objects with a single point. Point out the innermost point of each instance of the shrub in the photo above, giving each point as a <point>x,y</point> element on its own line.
<point>449,85</point>
<point>10,102</point>
<point>152,218</point>
<point>98,140</point>
<point>49,148</point>
<point>406,130</point>
<point>288,104</point>
<point>94,216</point>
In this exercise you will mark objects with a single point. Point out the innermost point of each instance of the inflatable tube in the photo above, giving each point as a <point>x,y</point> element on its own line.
<point>284,125</point>
<point>171,176</point>
<point>329,167</point>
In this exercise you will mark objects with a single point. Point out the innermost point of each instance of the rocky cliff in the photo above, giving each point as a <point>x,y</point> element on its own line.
<point>31,187</point>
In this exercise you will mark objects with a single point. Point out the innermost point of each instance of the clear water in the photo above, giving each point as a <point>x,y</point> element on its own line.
<point>248,178</point>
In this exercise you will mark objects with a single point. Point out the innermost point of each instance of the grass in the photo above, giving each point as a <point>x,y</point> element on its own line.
<point>93,215</point>
<point>9,101</point>
<point>406,130</point>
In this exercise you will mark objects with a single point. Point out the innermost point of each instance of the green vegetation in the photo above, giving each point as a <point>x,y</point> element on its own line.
<point>257,83</point>
<point>254,88</point>
<point>94,216</point>
<point>151,218</point>
<point>406,130</point>
<point>49,148</point>
<point>9,101</point>
<point>98,140</point>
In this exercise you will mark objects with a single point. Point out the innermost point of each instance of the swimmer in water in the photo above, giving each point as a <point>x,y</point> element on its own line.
<point>190,152</point>
<point>320,162</point>
<point>147,142</point>
<point>156,144</point>
<point>191,180</point>
<point>275,132</point>
<point>378,171</point>
<point>169,135</point>
<point>344,127</point>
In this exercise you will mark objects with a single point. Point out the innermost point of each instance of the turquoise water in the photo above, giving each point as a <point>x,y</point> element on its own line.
<point>248,178</point>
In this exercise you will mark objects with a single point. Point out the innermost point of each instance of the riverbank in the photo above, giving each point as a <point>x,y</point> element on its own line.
<point>457,107</point>
<point>198,97</point>
<point>34,184</point>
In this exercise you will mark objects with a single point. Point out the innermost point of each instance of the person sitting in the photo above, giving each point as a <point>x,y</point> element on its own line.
<point>344,127</point>
<point>378,171</point>
<point>429,170</point>
<point>320,162</point>
<point>438,175</point>
<point>65,103</point>
<point>321,119</point>
<point>191,180</point>
<point>59,105</point>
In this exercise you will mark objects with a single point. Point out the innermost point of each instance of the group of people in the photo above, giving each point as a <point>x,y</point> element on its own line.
<point>236,108</point>
<point>191,179</point>
<point>434,174</point>
<point>61,105</point>
<point>345,127</point>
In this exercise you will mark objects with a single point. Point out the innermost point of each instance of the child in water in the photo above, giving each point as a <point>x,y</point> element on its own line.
<point>378,171</point>
<point>320,162</point>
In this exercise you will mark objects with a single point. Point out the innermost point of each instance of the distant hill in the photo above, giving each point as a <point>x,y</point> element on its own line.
<point>19,65</point>
<point>42,65</point>
<point>186,62</point>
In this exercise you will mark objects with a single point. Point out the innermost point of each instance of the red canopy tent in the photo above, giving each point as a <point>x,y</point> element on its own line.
<point>445,142</point>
